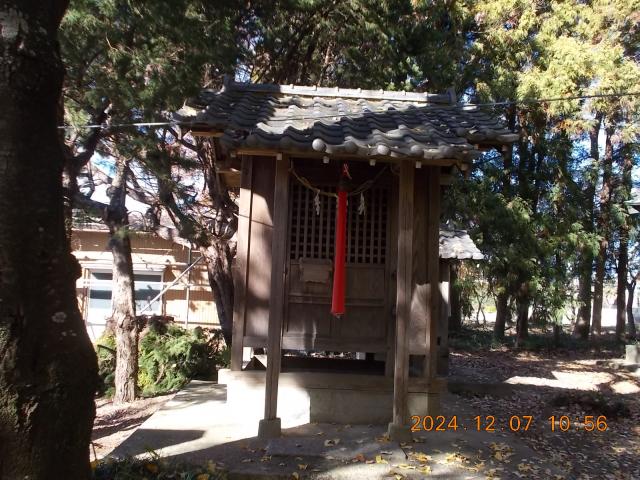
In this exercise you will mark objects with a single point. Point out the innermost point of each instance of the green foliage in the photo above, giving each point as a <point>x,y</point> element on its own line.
<point>473,339</point>
<point>167,358</point>
<point>154,468</point>
<point>106,350</point>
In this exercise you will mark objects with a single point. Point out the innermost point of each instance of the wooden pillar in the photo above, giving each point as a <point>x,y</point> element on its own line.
<point>398,429</point>
<point>443,324</point>
<point>433,273</point>
<point>241,269</point>
<point>270,426</point>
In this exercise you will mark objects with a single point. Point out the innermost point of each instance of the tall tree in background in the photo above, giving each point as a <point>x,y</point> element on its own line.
<point>527,50</point>
<point>48,371</point>
<point>135,62</point>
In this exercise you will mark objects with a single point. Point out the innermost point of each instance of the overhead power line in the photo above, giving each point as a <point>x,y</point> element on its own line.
<point>317,117</point>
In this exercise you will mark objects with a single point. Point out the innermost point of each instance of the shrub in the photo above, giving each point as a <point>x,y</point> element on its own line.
<point>106,353</point>
<point>168,360</point>
<point>168,357</point>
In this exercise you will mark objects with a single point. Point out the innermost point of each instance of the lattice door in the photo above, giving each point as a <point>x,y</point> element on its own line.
<point>312,225</point>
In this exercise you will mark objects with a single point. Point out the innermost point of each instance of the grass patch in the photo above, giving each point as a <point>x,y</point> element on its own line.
<point>471,338</point>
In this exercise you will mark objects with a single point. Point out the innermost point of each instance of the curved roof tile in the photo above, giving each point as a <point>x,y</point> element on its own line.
<point>339,121</point>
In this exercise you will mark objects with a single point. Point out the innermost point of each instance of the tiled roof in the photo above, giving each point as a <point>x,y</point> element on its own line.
<point>457,244</point>
<point>333,121</point>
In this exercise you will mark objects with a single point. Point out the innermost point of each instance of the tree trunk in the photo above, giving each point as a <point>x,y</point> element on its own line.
<point>522,308</point>
<point>603,231</point>
<point>598,288</point>
<point>455,319</point>
<point>623,254</point>
<point>218,257</point>
<point>48,370</point>
<point>631,288</point>
<point>583,322</point>
<point>502,313</point>
<point>621,304</point>
<point>123,299</point>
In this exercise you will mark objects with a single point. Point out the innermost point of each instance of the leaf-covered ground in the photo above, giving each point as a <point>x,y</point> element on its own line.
<point>502,407</point>
<point>590,393</point>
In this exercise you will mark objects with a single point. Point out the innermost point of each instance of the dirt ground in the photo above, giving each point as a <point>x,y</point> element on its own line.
<point>114,423</point>
<point>591,395</point>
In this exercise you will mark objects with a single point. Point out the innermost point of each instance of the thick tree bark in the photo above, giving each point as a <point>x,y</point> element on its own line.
<point>583,322</point>
<point>123,297</point>
<point>48,371</point>
<point>631,325</point>
<point>455,319</point>
<point>502,314</point>
<point>623,254</point>
<point>621,287</point>
<point>522,308</point>
<point>219,257</point>
<point>603,231</point>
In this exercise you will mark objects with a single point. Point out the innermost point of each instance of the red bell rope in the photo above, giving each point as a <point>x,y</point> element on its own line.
<point>339,274</point>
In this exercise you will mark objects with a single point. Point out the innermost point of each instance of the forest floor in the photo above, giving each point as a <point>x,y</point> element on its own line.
<point>573,383</point>
<point>115,423</point>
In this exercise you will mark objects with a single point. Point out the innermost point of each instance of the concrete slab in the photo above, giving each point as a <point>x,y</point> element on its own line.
<point>198,427</point>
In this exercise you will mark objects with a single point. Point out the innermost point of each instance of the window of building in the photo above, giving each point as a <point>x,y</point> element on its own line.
<point>147,287</point>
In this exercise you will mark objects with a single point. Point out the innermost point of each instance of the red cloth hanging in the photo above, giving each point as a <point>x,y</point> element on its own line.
<point>339,274</point>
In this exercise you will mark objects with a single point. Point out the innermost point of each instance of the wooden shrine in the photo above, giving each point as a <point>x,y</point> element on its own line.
<point>290,146</point>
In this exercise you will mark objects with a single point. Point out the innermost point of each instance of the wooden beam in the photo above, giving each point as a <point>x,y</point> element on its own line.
<point>433,273</point>
<point>443,324</point>
<point>241,271</point>
<point>443,162</point>
<point>404,281</point>
<point>278,271</point>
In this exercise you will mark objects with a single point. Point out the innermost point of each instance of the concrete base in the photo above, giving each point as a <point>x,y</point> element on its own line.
<point>632,353</point>
<point>399,433</point>
<point>305,397</point>
<point>269,428</point>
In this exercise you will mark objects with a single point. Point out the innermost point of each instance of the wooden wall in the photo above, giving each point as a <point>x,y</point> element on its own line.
<point>155,254</point>
<point>308,325</point>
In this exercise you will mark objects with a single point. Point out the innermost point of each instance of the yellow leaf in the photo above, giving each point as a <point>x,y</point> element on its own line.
<point>523,467</point>
<point>203,476</point>
<point>379,459</point>
<point>302,466</point>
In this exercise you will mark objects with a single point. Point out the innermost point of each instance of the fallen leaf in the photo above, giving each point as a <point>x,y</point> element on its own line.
<point>379,459</point>
<point>302,466</point>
